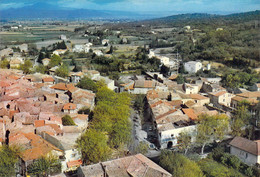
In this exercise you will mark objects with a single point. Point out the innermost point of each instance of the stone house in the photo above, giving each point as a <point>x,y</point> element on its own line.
<point>192,66</point>
<point>221,98</point>
<point>190,88</point>
<point>246,150</point>
<point>70,108</point>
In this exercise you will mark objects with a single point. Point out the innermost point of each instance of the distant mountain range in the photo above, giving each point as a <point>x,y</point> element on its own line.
<point>49,11</point>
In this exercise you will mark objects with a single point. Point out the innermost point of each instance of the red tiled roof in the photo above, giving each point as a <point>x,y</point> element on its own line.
<point>166,114</point>
<point>250,94</point>
<point>60,86</point>
<point>69,106</point>
<point>173,77</point>
<point>74,163</point>
<point>144,84</point>
<point>197,97</point>
<point>156,104</point>
<point>39,123</point>
<point>190,113</point>
<point>48,79</point>
<point>220,93</point>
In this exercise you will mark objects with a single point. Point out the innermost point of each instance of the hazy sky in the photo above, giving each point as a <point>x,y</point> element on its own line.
<point>148,5</point>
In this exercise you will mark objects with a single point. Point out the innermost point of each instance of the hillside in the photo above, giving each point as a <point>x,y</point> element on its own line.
<point>199,18</point>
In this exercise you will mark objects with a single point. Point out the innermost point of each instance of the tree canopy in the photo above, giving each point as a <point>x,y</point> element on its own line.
<point>211,128</point>
<point>8,158</point>
<point>93,146</point>
<point>179,165</point>
<point>240,119</point>
<point>62,71</point>
<point>87,83</point>
<point>55,60</point>
<point>45,166</point>
<point>67,120</point>
<point>110,121</point>
<point>26,67</point>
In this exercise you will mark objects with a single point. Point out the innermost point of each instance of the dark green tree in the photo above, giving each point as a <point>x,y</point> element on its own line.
<point>67,120</point>
<point>87,83</point>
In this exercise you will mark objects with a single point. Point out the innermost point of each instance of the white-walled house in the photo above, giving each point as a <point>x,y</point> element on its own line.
<point>46,61</point>
<point>82,48</point>
<point>190,88</point>
<point>164,60</point>
<point>221,98</point>
<point>67,143</point>
<point>59,52</point>
<point>246,150</point>
<point>192,66</point>
<point>168,134</point>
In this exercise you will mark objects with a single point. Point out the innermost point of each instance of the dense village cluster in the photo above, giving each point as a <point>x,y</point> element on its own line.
<point>54,93</point>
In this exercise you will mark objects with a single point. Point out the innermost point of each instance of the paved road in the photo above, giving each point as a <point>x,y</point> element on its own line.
<point>139,135</point>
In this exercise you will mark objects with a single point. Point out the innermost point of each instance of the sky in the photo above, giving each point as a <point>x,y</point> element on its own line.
<point>171,6</point>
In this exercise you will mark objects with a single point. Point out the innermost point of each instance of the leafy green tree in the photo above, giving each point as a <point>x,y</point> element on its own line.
<point>4,64</point>
<point>93,146</point>
<point>62,71</point>
<point>180,79</point>
<point>142,148</point>
<point>26,67</point>
<point>240,119</point>
<point>55,61</point>
<point>67,120</point>
<point>45,166</point>
<point>8,158</point>
<point>184,141</point>
<point>41,69</point>
<point>179,165</point>
<point>211,128</point>
<point>213,168</point>
<point>87,83</point>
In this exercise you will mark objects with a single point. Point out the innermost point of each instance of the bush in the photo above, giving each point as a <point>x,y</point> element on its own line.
<point>234,162</point>
<point>84,110</point>
<point>249,171</point>
<point>213,168</point>
<point>67,120</point>
<point>87,83</point>
<point>62,71</point>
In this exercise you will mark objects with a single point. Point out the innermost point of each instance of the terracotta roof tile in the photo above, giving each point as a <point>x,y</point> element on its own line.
<point>198,97</point>
<point>219,93</point>
<point>48,79</point>
<point>190,113</point>
<point>39,123</point>
<point>69,106</point>
<point>250,94</point>
<point>74,163</point>
<point>166,114</point>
